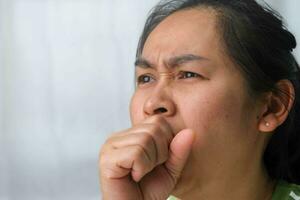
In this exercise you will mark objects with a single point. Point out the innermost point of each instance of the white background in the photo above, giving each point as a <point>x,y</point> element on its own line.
<point>66,77</point>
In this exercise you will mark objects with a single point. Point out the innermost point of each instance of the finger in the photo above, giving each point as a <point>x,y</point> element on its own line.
<point>145,140</point>
<point>162,122</point>
<point>161,140</point>
<point>160,135</point>
<point>180,149</point>
<point>124,161</point>
<point>163,135</point>
<point>154,120</point>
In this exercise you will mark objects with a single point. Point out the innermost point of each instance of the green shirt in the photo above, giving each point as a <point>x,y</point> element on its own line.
<point>283,191</point>
<point>286,191</point>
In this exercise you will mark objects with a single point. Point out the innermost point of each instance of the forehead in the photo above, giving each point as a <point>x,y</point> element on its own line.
<point>186,31</point>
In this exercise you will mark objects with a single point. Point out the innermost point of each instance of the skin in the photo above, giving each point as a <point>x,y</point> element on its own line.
<point>196,133</point>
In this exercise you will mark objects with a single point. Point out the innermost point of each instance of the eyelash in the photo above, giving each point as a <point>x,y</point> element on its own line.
<point>195,75</point>
<point>141,78</point>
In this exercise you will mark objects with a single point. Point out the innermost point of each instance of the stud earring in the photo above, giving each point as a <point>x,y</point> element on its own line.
<point>267,124</point>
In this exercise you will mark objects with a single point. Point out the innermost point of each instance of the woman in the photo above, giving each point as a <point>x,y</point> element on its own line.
<point>215,108</point>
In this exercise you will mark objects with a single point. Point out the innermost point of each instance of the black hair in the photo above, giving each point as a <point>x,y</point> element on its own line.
<point>256,39</point>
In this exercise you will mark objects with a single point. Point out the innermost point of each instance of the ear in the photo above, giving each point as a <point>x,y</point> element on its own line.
<point>277,106</point>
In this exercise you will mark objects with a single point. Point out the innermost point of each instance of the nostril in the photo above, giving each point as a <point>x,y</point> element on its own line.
<point>160,110</point>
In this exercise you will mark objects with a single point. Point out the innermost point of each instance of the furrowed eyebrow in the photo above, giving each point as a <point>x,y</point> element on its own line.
<point>143,63</point>
<point>172,62</point>
<point>182,59</point>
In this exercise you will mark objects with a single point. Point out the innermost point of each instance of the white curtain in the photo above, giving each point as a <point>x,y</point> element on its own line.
<point>66,77</point>
<point>66,80</point>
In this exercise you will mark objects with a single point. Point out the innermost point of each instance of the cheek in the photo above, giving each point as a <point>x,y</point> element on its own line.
<point>214,114</point>
<point>136,108</point>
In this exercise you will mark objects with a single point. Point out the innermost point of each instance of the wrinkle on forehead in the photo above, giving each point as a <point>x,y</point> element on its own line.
<point>184,32</point>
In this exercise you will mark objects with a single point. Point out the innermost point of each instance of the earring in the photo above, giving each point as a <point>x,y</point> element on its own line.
<point>267,124</point>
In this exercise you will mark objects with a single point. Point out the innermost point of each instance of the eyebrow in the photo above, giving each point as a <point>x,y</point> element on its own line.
<point>172,62</point>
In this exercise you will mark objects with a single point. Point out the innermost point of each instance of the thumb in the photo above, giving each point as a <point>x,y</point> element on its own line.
<point>180,149</point>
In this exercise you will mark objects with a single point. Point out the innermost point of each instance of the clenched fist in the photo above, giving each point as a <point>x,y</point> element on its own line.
<point>144,162</point>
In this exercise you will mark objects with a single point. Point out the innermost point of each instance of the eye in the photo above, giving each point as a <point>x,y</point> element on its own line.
<point>186,74</point>
<point>143,79</point>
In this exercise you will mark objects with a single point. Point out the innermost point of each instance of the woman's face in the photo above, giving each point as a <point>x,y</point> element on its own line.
<point>184,70</point>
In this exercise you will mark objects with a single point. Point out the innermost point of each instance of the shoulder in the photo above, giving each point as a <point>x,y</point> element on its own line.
<point>286,191</point>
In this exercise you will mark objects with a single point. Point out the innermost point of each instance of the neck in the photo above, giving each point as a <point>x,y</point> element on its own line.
<point>251,184</point>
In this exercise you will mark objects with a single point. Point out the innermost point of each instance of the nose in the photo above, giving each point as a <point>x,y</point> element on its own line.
<point>159,102</point>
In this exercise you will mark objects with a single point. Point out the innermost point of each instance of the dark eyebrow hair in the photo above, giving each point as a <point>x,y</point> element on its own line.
<point>172,62</point>
<point>178,60</point>
<point>143,63</point>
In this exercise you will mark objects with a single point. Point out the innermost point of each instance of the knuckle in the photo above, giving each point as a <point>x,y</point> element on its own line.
<point>111,137</point>
<point>144,164</point>
<point>102,150</point>
<point>108,173</point>
<point>145,140</point>
<point>109,140</point>
<point>104,159</point>
<point>154,129</point>
<point>105,147</point>
<point>142,155</point>
<point>138,152</point>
